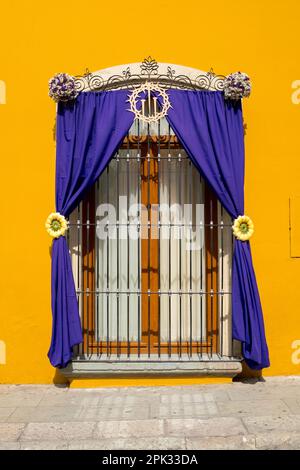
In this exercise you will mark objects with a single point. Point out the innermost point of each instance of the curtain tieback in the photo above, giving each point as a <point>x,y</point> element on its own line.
<point>243,228</point>
<point>56,225</point>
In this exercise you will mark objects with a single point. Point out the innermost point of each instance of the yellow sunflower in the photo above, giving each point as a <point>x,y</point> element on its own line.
<point>56,225</point>
<point>243,228</point>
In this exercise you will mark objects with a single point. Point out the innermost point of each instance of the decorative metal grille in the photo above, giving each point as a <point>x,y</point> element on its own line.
<point>150,297</point>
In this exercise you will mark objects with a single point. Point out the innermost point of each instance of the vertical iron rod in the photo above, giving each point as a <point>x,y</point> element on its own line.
<point>97,319</point>
<point>107,270</point>
<point>128,250</point>
<point>211,275</point>
<point>82,282</point>
<point>79,268</point>
<point>201,228</point>
<point>118,254</point>
<point>88,272</point>
<point>159,282</point>
<point>179,165</point>
<point>149,239</point>
<point>191,268</point>
<point>139,178</point>
<point>170,264</point>
<point>222,278</point>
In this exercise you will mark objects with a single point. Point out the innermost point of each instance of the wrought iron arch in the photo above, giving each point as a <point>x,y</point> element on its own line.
<point>167,75</point>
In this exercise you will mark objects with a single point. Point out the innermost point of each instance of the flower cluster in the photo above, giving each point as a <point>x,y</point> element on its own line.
<point>56,225</point>
<point>236,86</point>
<point>243,228</point>
<point>62,87</point>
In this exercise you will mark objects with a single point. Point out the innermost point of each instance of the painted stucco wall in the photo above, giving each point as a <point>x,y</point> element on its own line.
<point>38,39</point>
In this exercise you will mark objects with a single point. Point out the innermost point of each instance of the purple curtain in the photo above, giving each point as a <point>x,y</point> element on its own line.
<point>211,131</point>
<point>89,131</point>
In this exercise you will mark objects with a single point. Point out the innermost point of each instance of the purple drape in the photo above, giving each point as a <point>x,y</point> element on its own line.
<point>89,131</point>
<point>211,131</point>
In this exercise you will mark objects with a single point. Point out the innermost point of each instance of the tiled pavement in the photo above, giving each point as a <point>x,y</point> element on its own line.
<point>264,415</point>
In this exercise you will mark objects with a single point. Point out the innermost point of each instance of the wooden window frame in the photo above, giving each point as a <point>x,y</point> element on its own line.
<point>149,343</point>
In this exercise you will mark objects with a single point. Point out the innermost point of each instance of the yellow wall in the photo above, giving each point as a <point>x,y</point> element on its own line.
<point>38,39</point>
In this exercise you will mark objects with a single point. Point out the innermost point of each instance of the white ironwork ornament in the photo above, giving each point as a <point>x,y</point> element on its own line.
<point>149,111</point>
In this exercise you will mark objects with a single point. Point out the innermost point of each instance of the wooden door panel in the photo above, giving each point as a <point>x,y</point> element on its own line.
<point>150,247</point>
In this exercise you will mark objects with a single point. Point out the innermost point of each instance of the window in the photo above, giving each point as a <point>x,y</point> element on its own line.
<point>151,251</point>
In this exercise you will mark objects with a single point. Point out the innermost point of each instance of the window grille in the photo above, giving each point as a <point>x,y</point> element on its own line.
<point>151,251</point>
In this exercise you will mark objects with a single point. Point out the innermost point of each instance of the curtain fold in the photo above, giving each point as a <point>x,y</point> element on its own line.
<point>89,131</point>
<point>211,131</point>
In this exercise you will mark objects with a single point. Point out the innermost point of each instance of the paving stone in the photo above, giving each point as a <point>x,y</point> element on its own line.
<point>129,400</point>
<point>45,414</point>
<point>283,380</point>
<point>44,445</point>
<point>293,404</point>
<point>221,443</point>
<point>204,427</point>
<point>70,399</point>
<point>15,399</point>
<point>260,424</point>
<point>252,407</point>
<point>25,388</point>
<point>115,413</point>
<point>196,392</point>
<point>162,443</point>
<point>145,390</point>
<point>200,397</point>
<point>57,431</point>
<point>5,413</point>
<point>28,390</point>
<point>10,431</point>
<point>101,391</point>
<point>278,441</point>
<point>127,429</point>
<point>25,395</point>
<point>263,392</point>
<point>12,445</point>
<point>184,410</point>
<point>4,388</point>
<point>32,390</point>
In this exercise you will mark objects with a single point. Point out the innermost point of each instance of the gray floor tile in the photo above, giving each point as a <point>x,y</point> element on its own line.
<point>10,431</point>
<point>260,424</point>
<point>221,443</point>
<point>45,414</point>
<point>126,429</point>
<point>252,408</point>
<point>163,443</point>
<point>57,431</point>
<point>204,427</point>
<point>5,413</point>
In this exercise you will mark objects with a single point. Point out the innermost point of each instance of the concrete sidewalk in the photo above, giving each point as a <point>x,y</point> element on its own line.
<point>264,415</point>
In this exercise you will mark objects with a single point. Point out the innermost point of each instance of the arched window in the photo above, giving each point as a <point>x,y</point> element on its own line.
<point>151,245</point>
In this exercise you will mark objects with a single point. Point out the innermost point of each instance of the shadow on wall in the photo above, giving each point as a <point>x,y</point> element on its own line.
<point>59,380</point>
<point>249,375</point>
